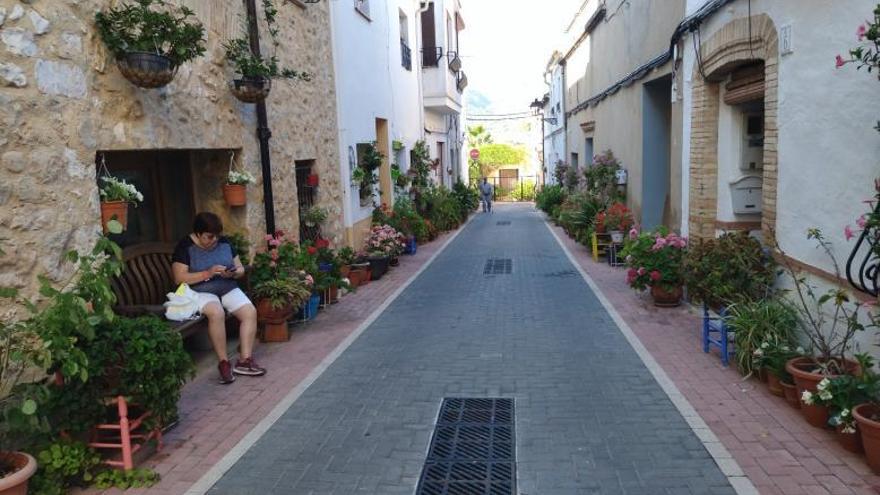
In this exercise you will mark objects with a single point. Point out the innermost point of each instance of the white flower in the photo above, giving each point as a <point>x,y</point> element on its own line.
<point>844,413</point>
<point>800,350</point>
<point>825,395</point>
<point>807,398</point>
<point>242,178</point>
<point>850,429</point>
<point>765,345</point>
<point>758,352</point>
<point>823,384</point>
<point>784,348</point>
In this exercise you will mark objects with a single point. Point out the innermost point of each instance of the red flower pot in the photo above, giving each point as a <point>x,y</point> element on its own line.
<point>791,394</point>
<point>114,210</point>
<point>235,194</point>
<point>866,416</point>
<point>774,385</point>
<point>666,298</point>
<point>312,180</point>
<point>806,379</point>
<point>16,483</point>
<point>850,441</point>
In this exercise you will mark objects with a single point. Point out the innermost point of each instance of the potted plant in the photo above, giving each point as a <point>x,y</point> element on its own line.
<point>235,187</point>
<point>150,40</point>
<point>769,321</point>
<point>21,349</point>
<point>830,321</point>
<point>617,219</point>
<point>383,244</point>
<point>840,395</point>
<point>655,262</point>
<point>771,356</point>
<point>116,194</point>
<point>312,180</point>
<point>314,216</point>
<point>365,176</point>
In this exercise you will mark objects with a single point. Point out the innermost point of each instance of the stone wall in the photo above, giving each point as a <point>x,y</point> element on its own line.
<point>62,100</point>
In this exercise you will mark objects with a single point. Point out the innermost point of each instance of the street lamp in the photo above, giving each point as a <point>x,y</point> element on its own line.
<point>537,107</point>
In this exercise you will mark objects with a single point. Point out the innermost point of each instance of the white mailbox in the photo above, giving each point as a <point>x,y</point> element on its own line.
<point>746,195</point>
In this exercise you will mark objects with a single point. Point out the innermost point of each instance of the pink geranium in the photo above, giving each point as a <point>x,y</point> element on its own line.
<point>848,232</point>
<point>839,62</point>
<point>861,31</point>
<point>656,276</point>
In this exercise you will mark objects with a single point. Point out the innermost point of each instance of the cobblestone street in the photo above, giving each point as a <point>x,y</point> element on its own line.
<point>590,417</point>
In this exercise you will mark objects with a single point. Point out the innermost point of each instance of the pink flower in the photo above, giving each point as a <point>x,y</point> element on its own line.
<point>641,271</point>
<point>274,242</point>
<point>839,62</point>
<point>861,31</point>
<point>269,237</point>
<point>848,232</point>
<point>310,280</point>
<point>655,275</point>
<point>631,275</point>
<point>862,222</point>
<point>273,264</point>
<point>659,244</point>
<point>633,233</point>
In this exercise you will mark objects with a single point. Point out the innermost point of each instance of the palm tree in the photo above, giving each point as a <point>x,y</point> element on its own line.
<point>478,136</point>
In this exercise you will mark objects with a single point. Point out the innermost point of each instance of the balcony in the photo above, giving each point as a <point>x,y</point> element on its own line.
<point>405,55</point>
<point>442,85</point>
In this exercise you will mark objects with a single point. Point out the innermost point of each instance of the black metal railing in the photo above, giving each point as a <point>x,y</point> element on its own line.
<point>405,55</point>
<point>431,56</point>
<point>452,61</point>
<point>863,265</point>
<point>461,81</point>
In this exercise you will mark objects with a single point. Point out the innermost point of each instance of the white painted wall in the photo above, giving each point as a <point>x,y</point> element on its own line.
<point>372,84</point>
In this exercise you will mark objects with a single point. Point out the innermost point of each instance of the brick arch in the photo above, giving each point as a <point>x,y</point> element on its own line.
<point>727,49</point>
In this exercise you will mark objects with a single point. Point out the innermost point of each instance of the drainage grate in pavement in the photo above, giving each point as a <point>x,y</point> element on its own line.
<point>561,274</point>
<point>498,266</point>
<point>472,451</point>
<point>503,223</point>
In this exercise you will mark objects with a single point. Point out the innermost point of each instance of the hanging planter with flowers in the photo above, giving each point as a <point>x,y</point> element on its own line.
<point>235,188</point>
<point>116,194</point>
<point>150,43</point>
<point>255,71</point>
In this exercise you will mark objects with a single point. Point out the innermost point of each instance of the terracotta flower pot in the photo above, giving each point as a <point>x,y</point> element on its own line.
<point>344,271</point>
<point>850,441</point>
<point>276,332</point>
<point>866,416</point>
<point>114,210</point>
<point>774,385</point>
<point>801,369</point>
<point>235,194</point>
<point>25,466</point>
<point>666,298</point>
<point>791,394</point>
<point>356,277</point>
<point>267,314</point>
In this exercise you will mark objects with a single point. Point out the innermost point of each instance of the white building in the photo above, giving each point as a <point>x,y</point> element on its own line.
<point>554,117</point>
<point>378,88</point>
<point>443,82</point>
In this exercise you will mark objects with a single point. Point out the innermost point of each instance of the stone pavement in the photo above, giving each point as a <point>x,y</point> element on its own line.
<point>590,417</point>
<point>771,442</point>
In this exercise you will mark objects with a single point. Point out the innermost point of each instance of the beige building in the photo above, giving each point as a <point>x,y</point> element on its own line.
<point>617,79</point>
<point>65,111</point>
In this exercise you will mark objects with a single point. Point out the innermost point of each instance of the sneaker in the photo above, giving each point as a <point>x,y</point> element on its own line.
<point>226,376</point>
<point>248,367</point>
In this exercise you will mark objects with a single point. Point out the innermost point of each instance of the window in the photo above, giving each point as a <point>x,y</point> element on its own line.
<point>431,53</point>
<point>574,160</point>
<point>363,7</point>
<point>405,51</point>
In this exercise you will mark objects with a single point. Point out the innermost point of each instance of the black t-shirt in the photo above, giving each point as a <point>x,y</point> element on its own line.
<point>199,259</point>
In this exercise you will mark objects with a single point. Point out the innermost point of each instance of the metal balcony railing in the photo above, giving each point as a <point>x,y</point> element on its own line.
<point>405,55</point>
<point>453,61</point>
<point>863,265</point>
<point>431,56</point>
<point>461,81</point>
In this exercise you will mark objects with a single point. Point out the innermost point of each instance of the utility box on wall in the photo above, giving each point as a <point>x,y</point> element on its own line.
<point>746,195</point>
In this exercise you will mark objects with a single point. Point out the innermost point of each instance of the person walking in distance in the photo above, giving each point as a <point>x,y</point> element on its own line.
<point>486,191</point>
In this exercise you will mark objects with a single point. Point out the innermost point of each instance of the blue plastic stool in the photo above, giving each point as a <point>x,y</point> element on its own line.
<point>716,332</point>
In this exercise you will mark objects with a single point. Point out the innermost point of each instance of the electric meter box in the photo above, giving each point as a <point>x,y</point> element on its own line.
<point>746,195</point>
<point>621,177</point>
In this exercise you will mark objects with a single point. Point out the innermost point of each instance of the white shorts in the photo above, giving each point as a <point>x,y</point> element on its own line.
<point>232,301</point>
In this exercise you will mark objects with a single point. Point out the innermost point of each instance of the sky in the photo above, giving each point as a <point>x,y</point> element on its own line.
<point>505,48</point>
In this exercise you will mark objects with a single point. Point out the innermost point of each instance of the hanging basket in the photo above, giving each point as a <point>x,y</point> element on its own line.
<point>146,70</point>
<point>251,89</point>
<point>235,194</point>
<point>114,210</point>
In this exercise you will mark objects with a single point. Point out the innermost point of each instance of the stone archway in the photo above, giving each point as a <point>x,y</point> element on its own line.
<point>728,48</point>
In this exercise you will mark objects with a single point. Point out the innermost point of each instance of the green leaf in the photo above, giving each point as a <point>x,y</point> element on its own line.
<point>114,227</point>
<point>29,407</point>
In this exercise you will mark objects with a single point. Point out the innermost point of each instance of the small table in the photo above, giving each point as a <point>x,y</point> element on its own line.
<point>613,258</point>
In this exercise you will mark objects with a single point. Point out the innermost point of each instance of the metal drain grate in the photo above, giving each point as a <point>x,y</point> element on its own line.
<point>503,223</point>
<point>562,274</point>
<point>498,266</point>
<point>472,451</point>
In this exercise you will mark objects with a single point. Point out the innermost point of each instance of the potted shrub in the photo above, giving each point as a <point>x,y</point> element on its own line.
<point>757,324</point>
<point>617,219</point>
<point>235,187</point>
<point>840,395</point>
<point>655,262</point>
<point>116,195</point>
<point>771,356</point>
<point>830,322</point>
<point>314,216</point>
<point>150,40</point>
<point>383,244</point>
<point>279,286</point>
<point>365,176</point>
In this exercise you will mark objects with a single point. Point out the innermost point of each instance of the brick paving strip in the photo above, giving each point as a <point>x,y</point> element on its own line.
<point>777,450</point>
<point>591,418</point>
<point>215,418</point>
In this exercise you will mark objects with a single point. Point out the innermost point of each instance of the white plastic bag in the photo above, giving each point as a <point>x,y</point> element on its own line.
<point>182,304</point>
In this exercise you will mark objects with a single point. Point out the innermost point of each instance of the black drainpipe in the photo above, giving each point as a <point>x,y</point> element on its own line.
<point>263,132</point>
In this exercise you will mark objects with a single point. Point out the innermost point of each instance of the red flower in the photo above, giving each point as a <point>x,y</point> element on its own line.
<point>312,250</point>
<point>322,243</point>
<point>656,276</point>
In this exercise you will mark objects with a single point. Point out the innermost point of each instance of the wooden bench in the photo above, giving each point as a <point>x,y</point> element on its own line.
<point>145,281</point>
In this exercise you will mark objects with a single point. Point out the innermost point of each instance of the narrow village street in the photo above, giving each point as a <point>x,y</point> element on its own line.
<point>590,418</point>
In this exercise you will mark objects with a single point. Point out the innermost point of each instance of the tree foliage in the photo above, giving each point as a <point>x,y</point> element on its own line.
<point>495,156</point>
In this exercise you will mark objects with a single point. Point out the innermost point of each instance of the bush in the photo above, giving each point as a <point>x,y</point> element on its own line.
<point>655,259</point>
<point>524,192</point>
<point>577,216</point>
<point>732,268</point>
<point>758,322</point>
<point>468,199</point>
<point>550,198</point>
